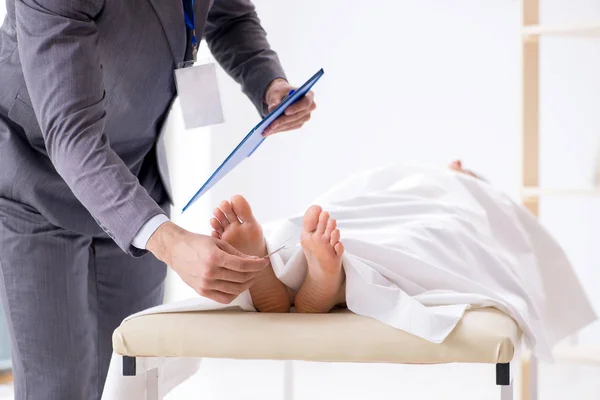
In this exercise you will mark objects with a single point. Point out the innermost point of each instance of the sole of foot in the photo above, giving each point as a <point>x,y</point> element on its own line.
<point>323,249</point>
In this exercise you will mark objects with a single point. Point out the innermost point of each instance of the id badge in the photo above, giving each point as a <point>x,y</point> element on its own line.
<point>198,92</point>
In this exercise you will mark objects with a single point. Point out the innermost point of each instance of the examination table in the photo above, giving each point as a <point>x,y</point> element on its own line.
<point>485,336</point>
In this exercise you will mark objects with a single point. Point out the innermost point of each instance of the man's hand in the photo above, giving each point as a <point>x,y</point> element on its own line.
<point>295,115</point>
<point>210,266</point>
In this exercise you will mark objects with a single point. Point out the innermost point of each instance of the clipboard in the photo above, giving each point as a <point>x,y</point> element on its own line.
<point>254,139</point>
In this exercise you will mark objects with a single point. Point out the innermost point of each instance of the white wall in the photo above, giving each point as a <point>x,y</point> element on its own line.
<point>405,81</point>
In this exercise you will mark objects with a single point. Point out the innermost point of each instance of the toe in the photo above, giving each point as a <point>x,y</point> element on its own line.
<point>216,225</point>
<point>311,219</point>
<point>322,225</point>
<point>335,237</point>
<point>216,234</point>
<point>242,209</point>
<point>220,216</point>
<point>331,225</point>
<point>339,249</point>
<point>228,210</point>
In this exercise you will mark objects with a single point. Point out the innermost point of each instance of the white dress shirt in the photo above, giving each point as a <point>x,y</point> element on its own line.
<point>141,239</point>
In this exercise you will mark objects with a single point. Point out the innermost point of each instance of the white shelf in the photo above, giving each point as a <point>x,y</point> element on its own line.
<point>535,192</point>
<point>533,32</point>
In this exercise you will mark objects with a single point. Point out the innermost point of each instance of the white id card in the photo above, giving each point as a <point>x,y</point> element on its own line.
<point>198,92</point>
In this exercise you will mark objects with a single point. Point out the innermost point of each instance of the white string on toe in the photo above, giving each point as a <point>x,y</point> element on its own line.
<point>283,247</point>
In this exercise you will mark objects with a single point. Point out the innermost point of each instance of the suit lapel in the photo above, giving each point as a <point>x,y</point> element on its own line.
<point>170,13</point>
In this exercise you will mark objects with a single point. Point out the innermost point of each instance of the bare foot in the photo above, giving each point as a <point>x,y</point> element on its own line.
<point>234,223</point>
<point>323,287</point>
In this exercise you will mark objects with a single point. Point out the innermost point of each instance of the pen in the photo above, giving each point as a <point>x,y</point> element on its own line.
<point>288,95</point>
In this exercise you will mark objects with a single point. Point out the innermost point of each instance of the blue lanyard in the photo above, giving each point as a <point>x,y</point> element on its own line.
<point>190,22</point>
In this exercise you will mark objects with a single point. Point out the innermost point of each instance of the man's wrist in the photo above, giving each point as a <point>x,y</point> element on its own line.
<point>141,239</point>
<point>162,239</point>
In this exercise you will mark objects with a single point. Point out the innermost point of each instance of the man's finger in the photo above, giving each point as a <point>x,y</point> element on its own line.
<point>229,249</point>
<point>293,125</point>
<point>219,297</point>
<point>231,287</point>
<point>276,127</point>
<point>223,274</point>
<point>273,106</point>
<point>300,113</point>
<point>292,128</point>
<point>288,120</point>
<point>244,264</point>
<point>305,103</point>
<point>235,260</point>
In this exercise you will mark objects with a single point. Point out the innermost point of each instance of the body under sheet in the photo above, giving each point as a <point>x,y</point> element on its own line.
<point>423,245</point>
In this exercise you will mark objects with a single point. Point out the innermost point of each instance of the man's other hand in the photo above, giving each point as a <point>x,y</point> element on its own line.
<point>296,115</point>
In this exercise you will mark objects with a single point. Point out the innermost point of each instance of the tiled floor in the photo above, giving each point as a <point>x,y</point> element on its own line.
<point>249,380</point>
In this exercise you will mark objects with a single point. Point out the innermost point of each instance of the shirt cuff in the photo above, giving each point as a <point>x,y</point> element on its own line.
<point>141,239</point>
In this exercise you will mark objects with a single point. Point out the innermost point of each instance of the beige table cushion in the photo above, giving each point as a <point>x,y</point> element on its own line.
<point>483,336</point>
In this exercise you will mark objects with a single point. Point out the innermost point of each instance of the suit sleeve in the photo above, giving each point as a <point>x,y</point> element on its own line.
<point>239,43</point>
<point>57,43</point>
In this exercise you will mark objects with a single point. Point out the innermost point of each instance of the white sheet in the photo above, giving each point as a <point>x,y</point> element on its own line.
<point>423,245</point>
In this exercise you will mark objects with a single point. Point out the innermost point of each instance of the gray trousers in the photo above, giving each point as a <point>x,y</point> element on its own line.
<point>63,295</point>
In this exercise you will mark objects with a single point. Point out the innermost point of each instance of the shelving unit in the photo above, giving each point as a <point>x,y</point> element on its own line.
<point>533,32</point>
<point>531,192</point>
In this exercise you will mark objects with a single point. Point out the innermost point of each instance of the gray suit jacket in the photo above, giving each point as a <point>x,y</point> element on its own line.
<point>84,88</point>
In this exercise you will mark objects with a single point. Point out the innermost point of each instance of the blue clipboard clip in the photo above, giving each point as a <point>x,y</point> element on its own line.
<point>254,138</point>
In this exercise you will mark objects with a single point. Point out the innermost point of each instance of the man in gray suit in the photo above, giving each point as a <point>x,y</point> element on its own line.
<point>84,89</point>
